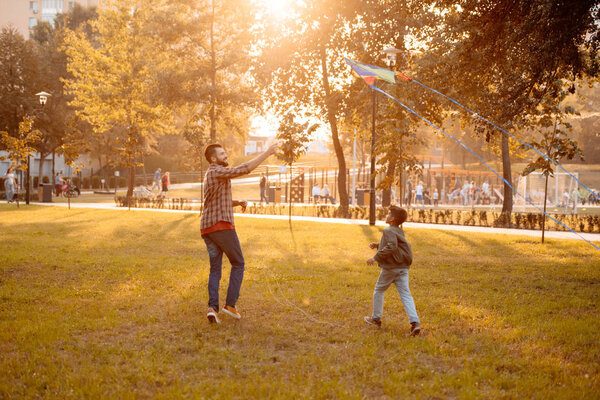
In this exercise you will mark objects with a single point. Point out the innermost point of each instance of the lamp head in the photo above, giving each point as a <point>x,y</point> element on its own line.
<point>43,96</point>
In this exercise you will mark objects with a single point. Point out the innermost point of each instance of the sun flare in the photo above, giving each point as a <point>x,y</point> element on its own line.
<point>277,8</point>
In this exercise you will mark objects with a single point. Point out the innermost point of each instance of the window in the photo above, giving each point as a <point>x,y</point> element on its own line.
<point>32,22</point>
<point>71,5</point>
<point>33,6</point>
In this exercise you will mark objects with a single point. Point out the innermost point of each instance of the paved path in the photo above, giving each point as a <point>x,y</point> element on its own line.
<point>593,237</point>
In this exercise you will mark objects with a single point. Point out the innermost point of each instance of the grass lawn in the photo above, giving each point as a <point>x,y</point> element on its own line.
<point>110,304</point>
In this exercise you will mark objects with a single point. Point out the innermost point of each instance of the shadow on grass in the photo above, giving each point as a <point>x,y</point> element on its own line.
<point>373,234</point>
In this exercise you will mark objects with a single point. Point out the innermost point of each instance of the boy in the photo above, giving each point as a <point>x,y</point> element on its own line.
<point>394,257</point>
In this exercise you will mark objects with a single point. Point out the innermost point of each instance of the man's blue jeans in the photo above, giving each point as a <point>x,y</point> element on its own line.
<point>218,243</point>
<point>399,277</point>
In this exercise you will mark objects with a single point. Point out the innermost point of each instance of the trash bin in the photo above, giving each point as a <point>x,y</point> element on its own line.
<point>363,197</point>
<point>274,194</point>
<point>45,193</point>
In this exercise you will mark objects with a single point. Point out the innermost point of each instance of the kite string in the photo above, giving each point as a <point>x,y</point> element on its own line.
<point>490,168</point>
<point>290,303</point>
<point>512,136</point>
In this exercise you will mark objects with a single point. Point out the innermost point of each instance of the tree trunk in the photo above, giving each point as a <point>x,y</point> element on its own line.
<point>544,216</point>
<point>507,204</point>
<point>339,152</point>
<point>131,181</point>
<point>41,167</point>
<point>386,198</point>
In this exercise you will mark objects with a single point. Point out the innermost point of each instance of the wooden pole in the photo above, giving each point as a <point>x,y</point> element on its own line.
<point>544,216</point>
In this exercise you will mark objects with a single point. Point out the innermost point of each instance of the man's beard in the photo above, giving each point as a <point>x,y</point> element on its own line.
<point>223,163</point>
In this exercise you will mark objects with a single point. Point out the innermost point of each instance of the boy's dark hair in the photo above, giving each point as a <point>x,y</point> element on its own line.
<point>399,214</point>
<point>210,150</point>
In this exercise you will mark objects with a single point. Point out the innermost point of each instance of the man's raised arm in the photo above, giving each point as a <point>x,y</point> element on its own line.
<point>255,162</point>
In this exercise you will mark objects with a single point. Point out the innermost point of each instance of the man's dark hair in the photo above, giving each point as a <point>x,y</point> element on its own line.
<point>210,150</point>
<point>399,214</point>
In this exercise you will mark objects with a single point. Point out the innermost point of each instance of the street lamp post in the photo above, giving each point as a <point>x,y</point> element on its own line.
<point>372,181</point>
<point>43,97</point>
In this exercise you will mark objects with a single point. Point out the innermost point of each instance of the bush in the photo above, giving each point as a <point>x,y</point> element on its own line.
<point>76,181</point>
<point>96,182</point>
<point>86,183</point>
<point>45,179</point>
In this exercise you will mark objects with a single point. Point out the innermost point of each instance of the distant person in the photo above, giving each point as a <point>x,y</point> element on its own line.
<point>263,189</point>
<point>394,257</point>
<point>455,196</point>
<point>217,228</point>
<point>325,193</point>
<point>165,183</point>
<point>409,189</point>
<point>485,192</point>
<point>316,193</point>
<point>58,183</point>
<point>592,199</point>
<point>436,197</point>
<point>419,189</point>
<point>10,185</point>
<point>157,179</point>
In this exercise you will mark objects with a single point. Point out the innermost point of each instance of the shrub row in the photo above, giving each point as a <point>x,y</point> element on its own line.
<point>159,203</point>
<point>580,223</point>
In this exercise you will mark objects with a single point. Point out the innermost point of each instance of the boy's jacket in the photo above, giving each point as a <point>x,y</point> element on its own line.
<point>393,250</point>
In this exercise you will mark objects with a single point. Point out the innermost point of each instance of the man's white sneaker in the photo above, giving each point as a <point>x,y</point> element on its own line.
<point>212,316</point>
<point>231,311</point>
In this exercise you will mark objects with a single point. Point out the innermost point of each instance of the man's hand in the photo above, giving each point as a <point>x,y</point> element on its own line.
<point>242,203</point>
<point>273,148</point>
<point>371,261</point>
<point>373,245</point>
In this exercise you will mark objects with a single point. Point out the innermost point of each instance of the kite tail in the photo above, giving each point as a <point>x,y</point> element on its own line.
<point>520,141</point>
<point>480,159</point>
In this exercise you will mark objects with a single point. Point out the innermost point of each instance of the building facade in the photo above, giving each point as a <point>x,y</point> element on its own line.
<point>25,14</point>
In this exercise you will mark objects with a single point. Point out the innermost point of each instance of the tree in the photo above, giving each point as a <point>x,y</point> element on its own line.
<point>498,59</point>
<point>557,145</point>
<point>56,117</point>
<point>114,79</point>
<point>18,79</point>
<point>197,138</point>
<point>21,147</point>
<point>303,71</point>
<point>295,138</point>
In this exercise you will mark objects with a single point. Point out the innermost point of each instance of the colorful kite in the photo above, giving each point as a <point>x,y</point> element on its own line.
<point>370,72</point>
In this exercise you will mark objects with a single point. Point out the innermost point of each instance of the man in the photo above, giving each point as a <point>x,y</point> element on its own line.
<point>263,188</point>
<point>217,227</point>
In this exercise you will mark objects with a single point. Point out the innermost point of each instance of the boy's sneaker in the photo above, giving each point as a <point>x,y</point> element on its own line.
<point>372,321</point>
<point>415,328</point>
<point>212,316</point>
<point>231,311</point>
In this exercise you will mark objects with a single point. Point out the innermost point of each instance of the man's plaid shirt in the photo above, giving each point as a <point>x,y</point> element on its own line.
<point>218,203</point>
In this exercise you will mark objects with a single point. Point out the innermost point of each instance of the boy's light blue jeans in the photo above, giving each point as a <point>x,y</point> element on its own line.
<point>399,277</point>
